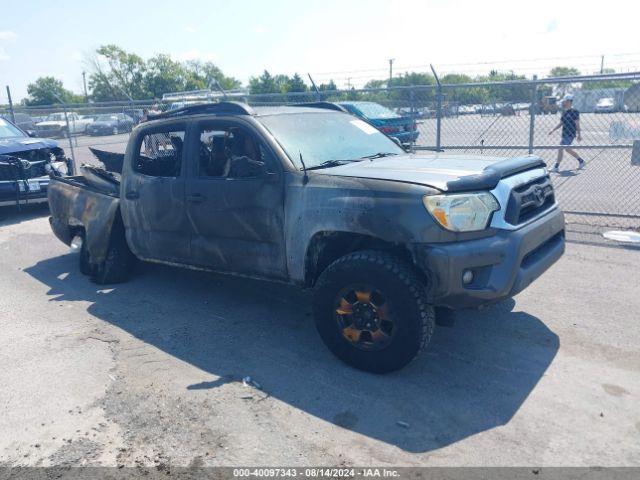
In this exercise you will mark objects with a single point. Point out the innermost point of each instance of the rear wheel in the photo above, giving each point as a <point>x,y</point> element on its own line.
<point>371,311</point>
<point>118,263</point>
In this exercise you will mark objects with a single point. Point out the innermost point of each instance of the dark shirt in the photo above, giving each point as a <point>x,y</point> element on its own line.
<point>568,119</point>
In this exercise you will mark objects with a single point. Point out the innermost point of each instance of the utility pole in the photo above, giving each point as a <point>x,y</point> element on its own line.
<point>390,70</point>
<point>84,82</point>
<point>602,65</point>
<point>349,83</point>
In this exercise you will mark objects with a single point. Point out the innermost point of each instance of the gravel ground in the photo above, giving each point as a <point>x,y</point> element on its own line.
<point>150,373</point>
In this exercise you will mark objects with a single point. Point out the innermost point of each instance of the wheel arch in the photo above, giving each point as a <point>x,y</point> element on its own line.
<point>325,247</point>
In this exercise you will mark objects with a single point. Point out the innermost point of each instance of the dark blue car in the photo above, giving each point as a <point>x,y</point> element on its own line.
<point>26,164</point>
<point>401,127</point>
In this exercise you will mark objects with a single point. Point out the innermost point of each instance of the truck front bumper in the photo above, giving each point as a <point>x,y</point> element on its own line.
<point>501,265</point>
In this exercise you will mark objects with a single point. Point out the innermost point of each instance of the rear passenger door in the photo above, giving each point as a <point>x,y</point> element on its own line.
<point>235,200</point>
<point>152,194</point>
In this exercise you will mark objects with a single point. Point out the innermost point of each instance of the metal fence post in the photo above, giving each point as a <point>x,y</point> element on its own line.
<point>66,119</point>
<point>532,114</point>
<point>13,117</point>
<point>438,107</point>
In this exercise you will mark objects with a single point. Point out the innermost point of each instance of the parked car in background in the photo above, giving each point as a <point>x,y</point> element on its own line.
<point>22,121</point>
<point>55,125</point>
<point>25,165</point>
<point>111,124</point>
<point>605,105</point>
<point>466,110</point>
<point>403,128</point>
<point>136,114</point>
<point>521,106</point>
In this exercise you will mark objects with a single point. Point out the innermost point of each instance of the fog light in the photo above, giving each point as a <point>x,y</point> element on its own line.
<point>467,277</point>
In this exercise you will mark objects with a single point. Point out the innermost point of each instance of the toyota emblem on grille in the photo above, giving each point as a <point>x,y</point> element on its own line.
<point>538,193</point>
<point>26,164</point>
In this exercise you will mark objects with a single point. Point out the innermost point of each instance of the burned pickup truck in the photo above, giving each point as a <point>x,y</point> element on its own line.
<point>26,164</point>
<point>316,197</point>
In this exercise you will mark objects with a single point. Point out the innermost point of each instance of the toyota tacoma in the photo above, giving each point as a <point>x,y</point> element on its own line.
<point>313,196</point>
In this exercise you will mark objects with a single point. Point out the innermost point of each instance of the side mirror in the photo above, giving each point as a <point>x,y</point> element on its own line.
<point>32,133</point>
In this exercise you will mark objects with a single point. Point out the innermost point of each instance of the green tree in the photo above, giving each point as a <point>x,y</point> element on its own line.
<point>564,72</point>
<point>296,84</point>
<point>463,95</point>
<point>44,90</point>
<point>516,93</point>
<point>328,87</point>
<point>561,89</point>
<point>265,83</point>
<point>122,76</point>
<point>282,82</point>
<point>202,75</point>
<point>376,83</point>
<point>164,75</point>
<point>117,74</point>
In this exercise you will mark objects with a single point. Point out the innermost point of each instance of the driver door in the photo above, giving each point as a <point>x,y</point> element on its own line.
<point>236,214</point>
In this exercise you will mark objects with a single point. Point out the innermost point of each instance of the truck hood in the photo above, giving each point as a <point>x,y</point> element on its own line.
<point>446,172</point>
<point>20,144</point>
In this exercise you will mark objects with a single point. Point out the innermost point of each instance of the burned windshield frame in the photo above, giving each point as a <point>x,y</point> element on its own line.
<point>325,136</point>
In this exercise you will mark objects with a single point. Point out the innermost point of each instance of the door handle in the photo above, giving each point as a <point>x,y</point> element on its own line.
<point>196,198</point>
<point>132,195</point>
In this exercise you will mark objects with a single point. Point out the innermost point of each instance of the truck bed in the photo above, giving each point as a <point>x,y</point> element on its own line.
<point>80,206</point>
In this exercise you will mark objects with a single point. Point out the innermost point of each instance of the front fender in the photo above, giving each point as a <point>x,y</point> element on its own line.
<point>390,211</point>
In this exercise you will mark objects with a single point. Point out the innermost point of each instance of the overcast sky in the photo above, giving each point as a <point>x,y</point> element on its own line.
<point>349,41</point>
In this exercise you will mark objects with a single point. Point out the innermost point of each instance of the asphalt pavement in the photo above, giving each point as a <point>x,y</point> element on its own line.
<point>150,373</point>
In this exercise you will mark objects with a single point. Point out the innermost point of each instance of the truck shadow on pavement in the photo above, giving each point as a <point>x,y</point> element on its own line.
<point>474,376</point>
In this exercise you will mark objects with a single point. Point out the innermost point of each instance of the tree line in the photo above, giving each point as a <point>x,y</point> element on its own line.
<point>118,75</point>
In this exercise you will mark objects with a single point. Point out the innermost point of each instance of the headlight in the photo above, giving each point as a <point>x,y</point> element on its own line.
<point>462,212</point>
<point>59,169</point>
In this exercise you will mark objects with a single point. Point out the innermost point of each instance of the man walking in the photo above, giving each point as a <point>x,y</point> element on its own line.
<point>570,123</point>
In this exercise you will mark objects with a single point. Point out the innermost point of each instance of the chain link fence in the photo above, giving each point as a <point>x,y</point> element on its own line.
<point>506,118</point>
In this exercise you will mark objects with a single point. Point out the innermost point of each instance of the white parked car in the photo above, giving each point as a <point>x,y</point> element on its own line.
<point>605,105</point>
<point>55,125</point>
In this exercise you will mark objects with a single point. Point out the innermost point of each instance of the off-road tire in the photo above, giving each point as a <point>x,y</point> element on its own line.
<point>118,263</point>
<point>406,293</point>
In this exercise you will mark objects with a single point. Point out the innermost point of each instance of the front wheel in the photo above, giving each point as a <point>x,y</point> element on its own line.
<point>371,311</point>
